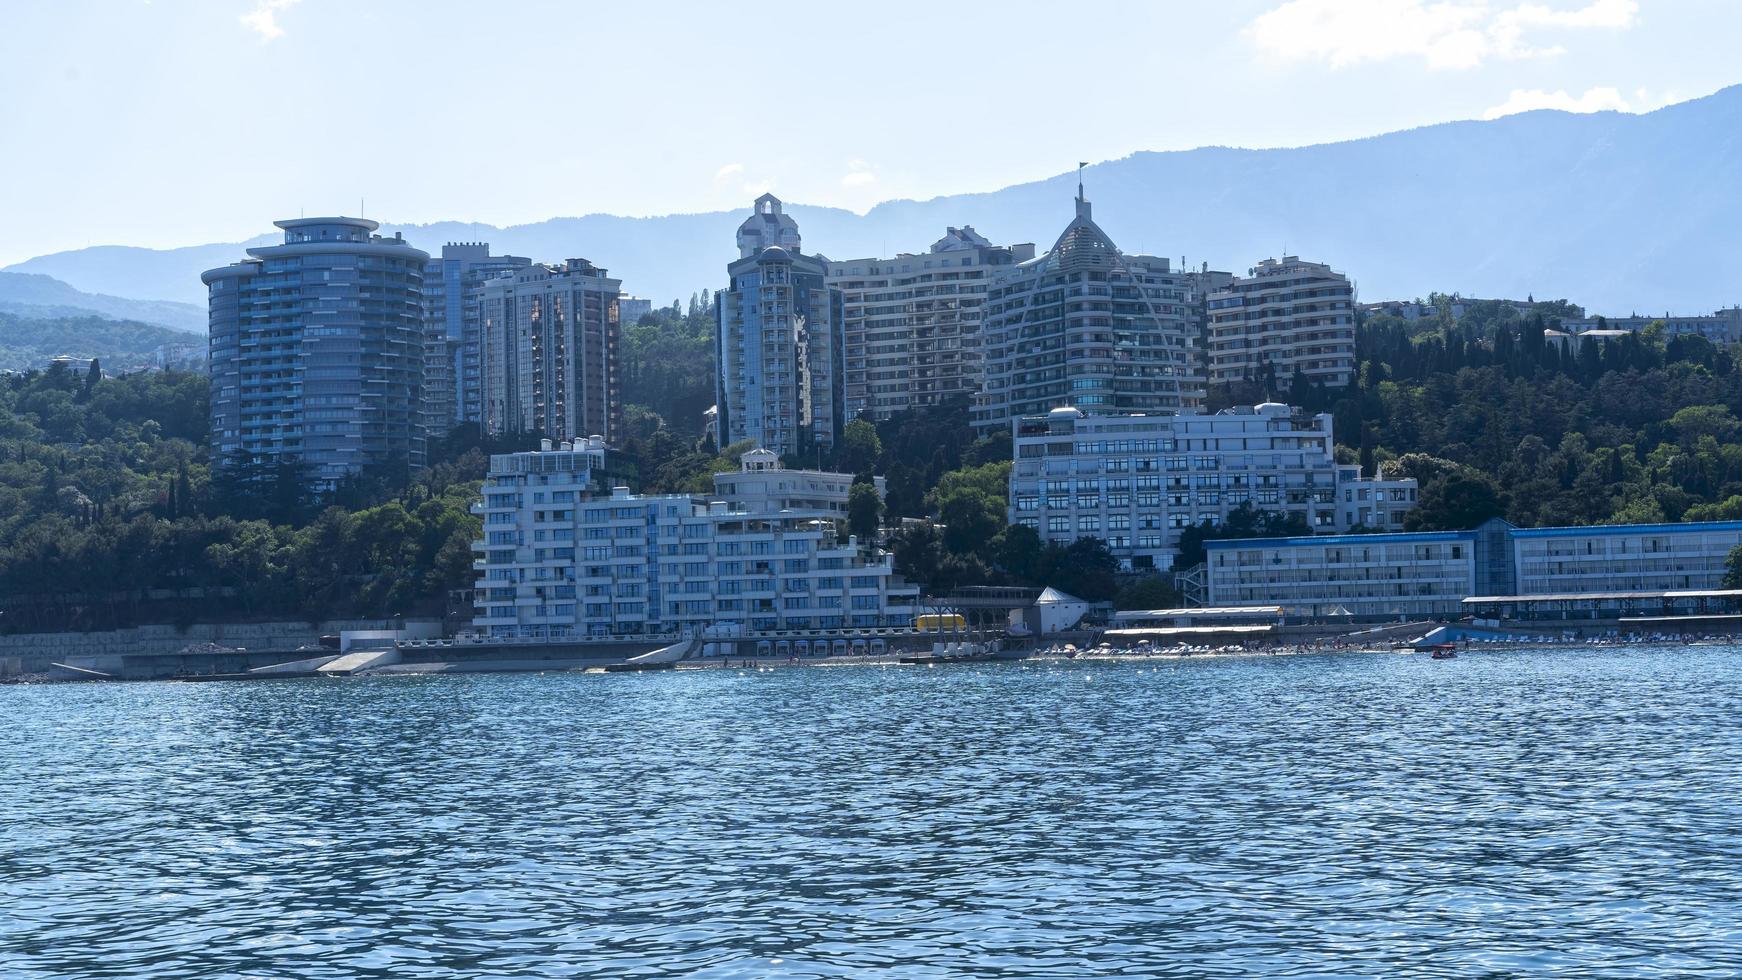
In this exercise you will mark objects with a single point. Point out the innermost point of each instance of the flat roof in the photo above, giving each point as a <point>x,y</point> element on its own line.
<point>1387,537</point>
<point>1574,596</point>
<point>1695,618</point>
<point>1165,631</point>
<point>1406,537</point>
<point>336,219</point>
<point>1200,611</point>
<point>1691,527</point>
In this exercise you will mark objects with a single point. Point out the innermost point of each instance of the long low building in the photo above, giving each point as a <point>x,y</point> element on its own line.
<point>1429,575</point>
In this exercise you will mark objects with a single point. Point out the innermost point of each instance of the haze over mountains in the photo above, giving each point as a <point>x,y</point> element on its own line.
<point>39,296</point>
<point>1619,212</point>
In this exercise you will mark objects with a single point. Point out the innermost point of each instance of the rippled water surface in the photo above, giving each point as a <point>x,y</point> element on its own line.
<point>1573,813</point>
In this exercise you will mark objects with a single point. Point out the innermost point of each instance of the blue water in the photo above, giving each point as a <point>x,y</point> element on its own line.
<point>1570,813</point>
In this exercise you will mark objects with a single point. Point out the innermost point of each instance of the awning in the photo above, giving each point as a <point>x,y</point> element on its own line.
<point>1168,632</point>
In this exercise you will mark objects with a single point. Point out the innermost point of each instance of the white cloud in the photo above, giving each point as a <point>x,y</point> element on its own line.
<point>859,174</point>
<point>1593,100</point>
<point>727,172</point>
<point>263,19</point>
<point>1444,33</point>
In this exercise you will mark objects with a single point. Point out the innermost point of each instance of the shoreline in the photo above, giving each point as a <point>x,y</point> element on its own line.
<point>1097,654</point>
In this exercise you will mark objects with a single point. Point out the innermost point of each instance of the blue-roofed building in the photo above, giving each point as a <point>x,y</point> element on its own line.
<point>1423,575</point>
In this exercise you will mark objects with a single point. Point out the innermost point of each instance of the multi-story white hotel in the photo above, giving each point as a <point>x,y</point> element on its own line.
<point>1432,574</point>
<point>1287,315</point>
<point>1090,326</point>
<point>911,324</point>
<point>1137,481</point>
<point>549,351</point>
<point>763,553</point>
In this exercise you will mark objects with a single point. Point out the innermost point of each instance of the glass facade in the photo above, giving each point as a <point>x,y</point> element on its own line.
<point>318,350</point>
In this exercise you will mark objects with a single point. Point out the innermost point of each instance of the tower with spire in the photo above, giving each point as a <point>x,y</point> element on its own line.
<point>1089,326</point>
<point>777,342</point>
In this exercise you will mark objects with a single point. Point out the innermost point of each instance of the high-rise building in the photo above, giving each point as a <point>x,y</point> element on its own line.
<point>317,350</point>
<point>1089,326</point>
<point>453,325</point>
<point>910,325</point>
<point>764,552</point>
<point>1286,316</point>
<point>777,345</point>
<point>549,351</point>
<point>1138,481</point>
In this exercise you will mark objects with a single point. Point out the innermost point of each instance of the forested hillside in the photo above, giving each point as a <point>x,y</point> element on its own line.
<point>122,345</point>
<point>1496,421</point>
<point>109,516</point>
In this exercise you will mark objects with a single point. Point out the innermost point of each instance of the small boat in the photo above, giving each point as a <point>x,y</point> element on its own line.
<point>1444,651</point>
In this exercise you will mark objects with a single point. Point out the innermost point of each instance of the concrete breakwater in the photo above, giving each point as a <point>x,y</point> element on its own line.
<point>157,649</point>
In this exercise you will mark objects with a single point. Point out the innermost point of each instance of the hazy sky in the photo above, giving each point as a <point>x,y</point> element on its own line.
<point>173,122</point>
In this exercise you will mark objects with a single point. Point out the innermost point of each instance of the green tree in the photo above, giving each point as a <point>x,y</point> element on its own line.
<point>1454,502</point>
<point>864,511</point>
<point>1148,592</point>
<point>859,449</point>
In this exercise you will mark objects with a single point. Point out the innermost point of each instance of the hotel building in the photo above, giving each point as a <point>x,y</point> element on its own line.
<point>1287,315</point>
<point>317,350</point>
<point>549,351</point>
<point>1441,574</point>
<point>910,325</point>
<point>777,344</point>
<point>1138,481</point>
<point>1089,326</point>
<point>763,553</point>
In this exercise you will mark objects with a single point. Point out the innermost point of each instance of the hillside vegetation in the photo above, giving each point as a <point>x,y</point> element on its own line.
<point>122,345</point>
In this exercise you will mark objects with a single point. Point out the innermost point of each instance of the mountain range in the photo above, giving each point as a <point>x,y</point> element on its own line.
<point>1619,212</point>
<point>38,296</point>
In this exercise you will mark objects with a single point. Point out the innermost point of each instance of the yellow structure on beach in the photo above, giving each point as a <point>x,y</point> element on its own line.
<point>940,623</point>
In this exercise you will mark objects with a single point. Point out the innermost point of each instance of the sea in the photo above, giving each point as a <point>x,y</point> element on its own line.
<point>1571,812</point>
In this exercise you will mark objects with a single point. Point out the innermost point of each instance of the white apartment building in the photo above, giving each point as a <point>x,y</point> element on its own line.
<point>763,553</point>
<point>1286,315</point>
<point>911,324</point>
<point>1089,326</point>
<point>1137,481</point>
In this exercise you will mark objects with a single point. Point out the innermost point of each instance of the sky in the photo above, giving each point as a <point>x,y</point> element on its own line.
<point>178,122</point>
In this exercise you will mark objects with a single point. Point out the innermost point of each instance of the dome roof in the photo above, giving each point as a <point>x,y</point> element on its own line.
<point>774,253</point>
<point>1065,412</point>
